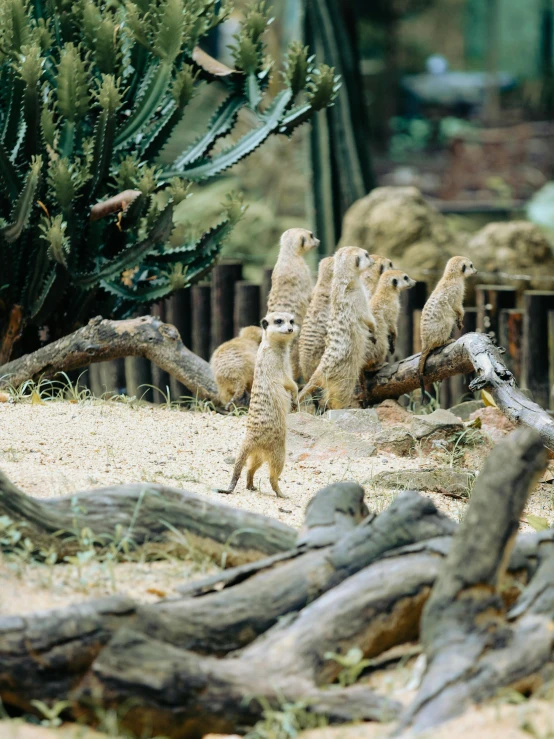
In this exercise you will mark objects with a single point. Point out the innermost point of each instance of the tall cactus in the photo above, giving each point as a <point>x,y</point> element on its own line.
<point>90,93</point>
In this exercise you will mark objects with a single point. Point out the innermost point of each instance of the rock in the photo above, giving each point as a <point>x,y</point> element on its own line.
<point>394,439</point>
<point>493,422</point>
<point>390,411</point>
<point>458,482</point>
<point>316,439</point>
<point>4,398</point>
<point>464,410</point>
<point>355,420</point>
<point>439,422</point>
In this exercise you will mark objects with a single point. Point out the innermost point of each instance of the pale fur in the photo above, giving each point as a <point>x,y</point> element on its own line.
<point>350,323</point>
<point>371,276</point>
<point>444,309</point>
<point>291,281</point>
<point>266,424</point>
<point>385,306</point>
<point>233,364</point>
<point>311,344</point>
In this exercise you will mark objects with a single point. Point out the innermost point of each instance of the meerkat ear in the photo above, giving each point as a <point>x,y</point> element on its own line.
<point>394,282</point>
<point>464,268</point>
<point>302,241</point>
<point>357,261</point>
<point>265,324</point>
<point>382,269</point>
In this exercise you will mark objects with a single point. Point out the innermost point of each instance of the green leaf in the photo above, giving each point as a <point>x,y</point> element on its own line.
<point>151,94</point>
<point>22,210</point>
<point>133,254</point>
<point>537,522</point>
<point>221,123</point>
<point>245,146</point>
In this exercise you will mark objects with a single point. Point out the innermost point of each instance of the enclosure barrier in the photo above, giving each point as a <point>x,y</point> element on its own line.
<point>210,313</point>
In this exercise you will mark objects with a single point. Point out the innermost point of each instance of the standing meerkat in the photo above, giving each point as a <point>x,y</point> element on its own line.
<point>350,323</point>
<point>385,306</point>
<point>311,344</point>
<point>291,281</point>
<point>371,276</point>
<point>233,366</point>
<point>443,310</point>
<point>266,425</point>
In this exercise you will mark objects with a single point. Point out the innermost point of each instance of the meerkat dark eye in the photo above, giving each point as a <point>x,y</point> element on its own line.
<point>406,278</point>
<point>264,324</point>
<point>471,265</point>
<point>311,235</point>
<point>394,282</point>
<point>464,268</point>
<point>278,321</point>
<point>292,321</point>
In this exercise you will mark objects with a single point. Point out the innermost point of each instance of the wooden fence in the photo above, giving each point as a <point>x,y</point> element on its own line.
<point>210,313</point>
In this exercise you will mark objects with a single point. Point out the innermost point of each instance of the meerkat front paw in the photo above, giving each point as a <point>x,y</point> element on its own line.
<point>460,324</point>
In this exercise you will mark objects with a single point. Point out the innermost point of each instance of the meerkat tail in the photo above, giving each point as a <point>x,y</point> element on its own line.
<point>244,453</point>
<point>421,372</point>
<point>309,387</point>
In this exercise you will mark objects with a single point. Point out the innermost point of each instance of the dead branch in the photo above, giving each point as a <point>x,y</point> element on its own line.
<point>471,353</point>
<point>101,340</point>
<point>141,513</point>
<point>471,649</point>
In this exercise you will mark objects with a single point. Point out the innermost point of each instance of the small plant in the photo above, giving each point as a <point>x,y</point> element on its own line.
<point>352,663</point>
<point>51,713</point>
<point>285,722</point>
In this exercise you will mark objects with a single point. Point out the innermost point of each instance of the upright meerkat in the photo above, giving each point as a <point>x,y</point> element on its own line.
<point>371,276</point>
<point>385,306</point>
<point>291,281</point>
<point>311,344</point>
<point>348,331</point>
<point>443,310</point>
<point>266,425</point>
<point>233,366</point>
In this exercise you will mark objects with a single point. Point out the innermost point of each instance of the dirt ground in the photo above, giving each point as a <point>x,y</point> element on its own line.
<point>58,448</point>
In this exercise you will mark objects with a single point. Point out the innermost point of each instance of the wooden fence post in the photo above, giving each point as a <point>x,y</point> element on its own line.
<point>551,357</point>
<point>160,378</point>
<point>510,330</point>
<point>178,313</point>
<point>138,372</point>
<point>535,371</point>
<point>491,299</point>
<point>201,319</point>
<point>224,277</point>
<point>247,305</point>
<point>410,300</point>
<point>265,290</point>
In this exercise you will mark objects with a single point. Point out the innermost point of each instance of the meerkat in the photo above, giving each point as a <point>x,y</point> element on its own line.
<point>270,401</point>
<point>385,306</point>
<point>233,366</point>
<point>443,310</point>
<point>348,331</point>
<point>291,282</point>
<point>371,276</point>
<point>311,343</point>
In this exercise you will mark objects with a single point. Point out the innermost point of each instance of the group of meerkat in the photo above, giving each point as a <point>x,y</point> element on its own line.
<point>328,335</point>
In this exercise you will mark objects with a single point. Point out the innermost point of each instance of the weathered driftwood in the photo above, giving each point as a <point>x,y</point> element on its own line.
<point>142,513</point>
<point>101,340</point>
<point>470,353</point>
<point>471,649</point>
<point>159,342</point>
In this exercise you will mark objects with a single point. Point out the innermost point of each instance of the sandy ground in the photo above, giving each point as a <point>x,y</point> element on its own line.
<point>58,448</point>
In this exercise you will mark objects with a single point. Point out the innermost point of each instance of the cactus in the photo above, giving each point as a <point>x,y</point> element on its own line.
<point>90,94</point>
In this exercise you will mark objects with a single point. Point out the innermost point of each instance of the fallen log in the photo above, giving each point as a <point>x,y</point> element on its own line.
<point>471,648</point>
<point>470,353</point>
<point>101,340</point>
<point>159,342</point>
<point>141,513</point>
